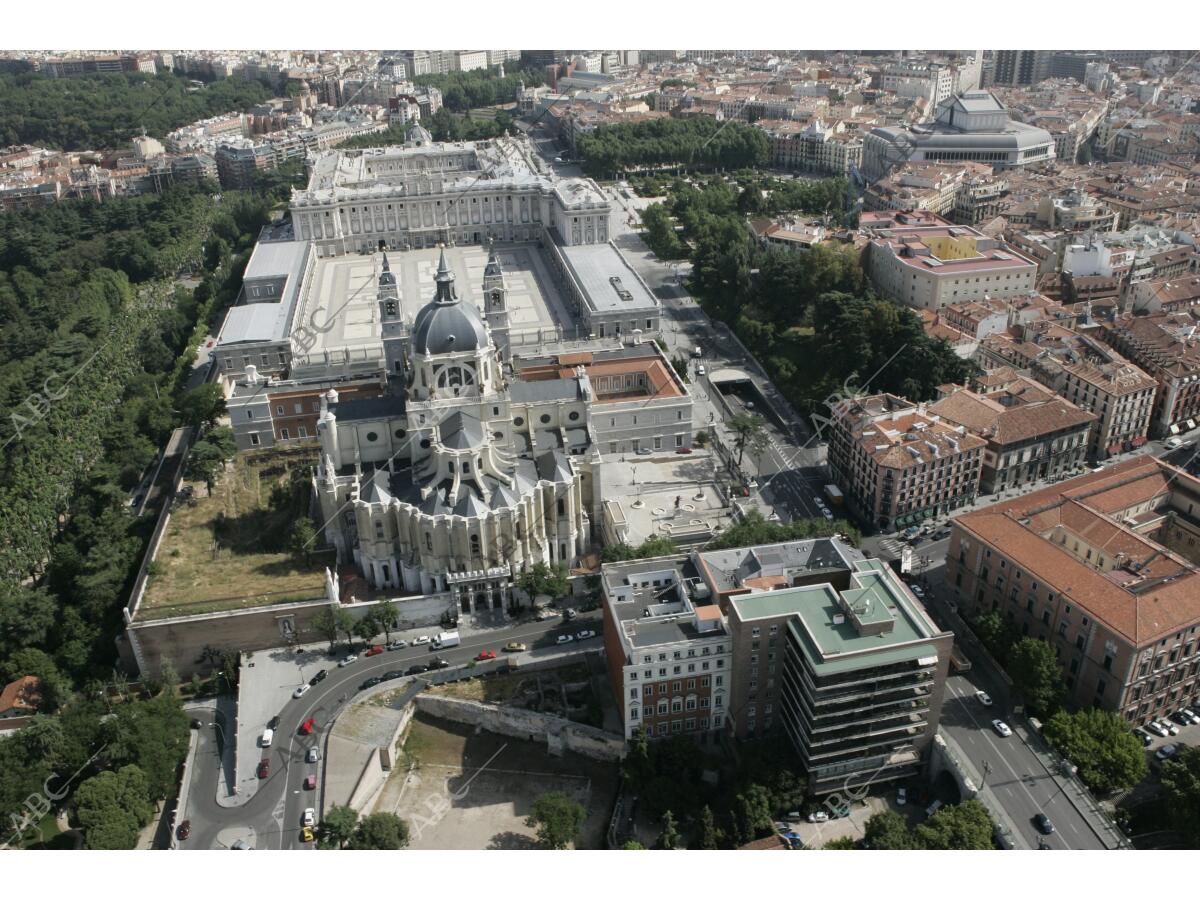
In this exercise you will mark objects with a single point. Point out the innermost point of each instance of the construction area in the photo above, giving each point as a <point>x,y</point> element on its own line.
<point>462,788</point>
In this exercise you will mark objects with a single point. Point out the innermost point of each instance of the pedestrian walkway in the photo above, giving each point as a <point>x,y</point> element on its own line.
<point>892,547</point>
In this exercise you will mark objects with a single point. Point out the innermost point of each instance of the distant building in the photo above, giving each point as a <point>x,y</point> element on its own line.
<point>1166,346</point>
<point>21,697</point>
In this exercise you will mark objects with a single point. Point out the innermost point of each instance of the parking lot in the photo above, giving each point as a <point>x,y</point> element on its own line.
<point>1188,735</point>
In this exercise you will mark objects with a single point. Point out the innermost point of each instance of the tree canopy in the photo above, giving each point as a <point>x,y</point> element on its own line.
<point>692,141</point>
<point>1180,779</point>
<point>1101,744</point>
<point>557,819</point>
<point>1037,676</point>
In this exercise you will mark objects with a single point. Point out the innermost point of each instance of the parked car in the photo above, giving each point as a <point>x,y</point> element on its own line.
<point>319,677</point>
<point>184,829</point>
<point>1190,716</point>
<point>918,590</point>
<point>274,723</point>
<point>346,660</point>
<point>826,513</point>
<point>933,807</point>
<point>485,654</point>
<point>570,614</point>
<point>819,816</point>
<point>312,755</point>
<point>982,697</point>
<point>1043,823</point>
<point>1166,751</point>
<point>1171,727</point>
<point>310,783</point>
<point>306,835</point>
<point>564,639</point>
<point>415,670</point>
<point>438,663</point>
<point>942,534</point>
<point>1157,727</point>
<point>393,675</point>
<point>301,691</point>
<point>644,451</point>
<point>1147,740</point>
<point>264,768</point>
<point>911,532</point>
<point>196,723</point>
<point>1001,729</point>
<point>515,647</point>
<point>267,737</point>
<point>371,682</point>
<point>374,651</point>
<point>423,639</point>
<point>308,726</point>
<point>1181,717</point>
<point>901,796</point>
<point>1172,442</point>
<point>239,844</point>
<point>397,645</point>
<point>310,817</point>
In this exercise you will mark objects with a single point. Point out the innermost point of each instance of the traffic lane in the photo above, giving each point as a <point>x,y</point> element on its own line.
<point>342,684</point>
<point>1018,779</point>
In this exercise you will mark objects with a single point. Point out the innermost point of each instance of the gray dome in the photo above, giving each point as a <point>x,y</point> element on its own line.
<point>446,324</point>
<point>416,134</point>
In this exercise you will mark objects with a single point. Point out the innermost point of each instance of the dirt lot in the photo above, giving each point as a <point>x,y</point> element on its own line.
<point>462,790</point>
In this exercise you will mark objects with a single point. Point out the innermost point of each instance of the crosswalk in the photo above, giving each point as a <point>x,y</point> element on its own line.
<point>892,547</point>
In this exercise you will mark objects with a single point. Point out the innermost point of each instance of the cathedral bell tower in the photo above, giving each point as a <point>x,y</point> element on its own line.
<point>394,331</point>
<point>495,300</point>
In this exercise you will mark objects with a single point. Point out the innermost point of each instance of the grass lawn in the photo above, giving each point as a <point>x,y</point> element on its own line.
<point>228,550</point>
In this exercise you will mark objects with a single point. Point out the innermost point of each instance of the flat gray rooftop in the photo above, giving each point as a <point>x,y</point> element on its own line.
<point>594,266</point>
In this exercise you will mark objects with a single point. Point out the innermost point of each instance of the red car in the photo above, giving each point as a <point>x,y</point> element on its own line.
<point>264,768</point>
<point>308,726</point>
<point>374,651</point>
<point>486,654</point>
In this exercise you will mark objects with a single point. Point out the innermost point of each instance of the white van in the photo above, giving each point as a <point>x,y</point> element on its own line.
<point>1172,442</point>
<point>267,737</point>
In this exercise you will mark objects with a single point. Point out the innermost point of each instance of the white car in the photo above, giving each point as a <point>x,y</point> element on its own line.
<point>1190,715</point>
<point>564,639</point>
<point>310,817</point>
<point>301,691</point>
<point>982,697</point>
<point>313,755</point>
<point>423,639</point>
<point>701,371</point>
<point>584,635</point>
<point>267,737</point>
<point>819,816</point>
<point>353,657</point>
<point>901,796</point>
<point>1001,729</point>
<point>1166,752</point>
<point>917,589</point>
<point>1157,728</point>
<point>827,514</point>
<point>1171,727</point>
<point>1172,442</point>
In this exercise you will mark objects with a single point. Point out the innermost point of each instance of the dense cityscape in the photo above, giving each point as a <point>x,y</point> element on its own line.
<point>600,449</point>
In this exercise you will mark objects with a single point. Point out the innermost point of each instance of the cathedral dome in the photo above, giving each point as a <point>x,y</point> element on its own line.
<point>446,324</point>
<point>416,134</point>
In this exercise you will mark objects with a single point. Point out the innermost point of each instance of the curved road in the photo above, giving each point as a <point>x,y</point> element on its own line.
<point>271,819</point>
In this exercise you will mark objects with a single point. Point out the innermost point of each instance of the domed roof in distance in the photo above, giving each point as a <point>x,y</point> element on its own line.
<point>446,324</point>
<point>417,134</point>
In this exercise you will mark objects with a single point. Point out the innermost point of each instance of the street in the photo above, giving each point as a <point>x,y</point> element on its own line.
<point>271,817</point>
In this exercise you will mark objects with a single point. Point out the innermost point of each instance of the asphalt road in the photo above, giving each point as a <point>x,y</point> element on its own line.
<point>271,819</point>
<point>1017,777</point>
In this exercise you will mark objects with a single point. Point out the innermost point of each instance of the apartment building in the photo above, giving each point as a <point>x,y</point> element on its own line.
<point>932,266</point>
<point>898,464</point>
<point>1031,432</point>
<point>814,147</point>
<point>1093,376</point>
<point>1166,345</point>
<point>668,649</point>
<point>833,648</point>
<point>1105,568</point>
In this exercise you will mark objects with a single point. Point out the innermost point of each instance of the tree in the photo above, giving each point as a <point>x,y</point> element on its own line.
<point>331,622</point>
<point>710,837</point>
<point>366,627</point>
<point>202,406</point>
<point>1108,754</point>
<point>151,734</point>
<point>842,843</point>
<point>962,826</point>
<point>1037,676</point>
<point>888,831</point>
<point>752,814</point>
<point>1180,779</point>
<point>379,831</point>
<point>301,537</point>
<point>557,818</point>
<point>337,828</point>
<point>112,807</point>
<point>387,617</point>
<point>748,433</point>
<point>668,837</point>
<point>544,579</point>
<point>701,439</point>
<point>996,633</point>
<point>632,845</point>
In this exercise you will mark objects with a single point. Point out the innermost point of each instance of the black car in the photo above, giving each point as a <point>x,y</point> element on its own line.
<point>196,723</point>
<point>391,676</point>
<point>370,683</point>
<point>415,670</point>
<point>320,676</point>
<point>439,663</point>
<point>274,723</point>
<point>1043,823</point>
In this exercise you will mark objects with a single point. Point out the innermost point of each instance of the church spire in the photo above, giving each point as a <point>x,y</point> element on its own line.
<point>445,282</point>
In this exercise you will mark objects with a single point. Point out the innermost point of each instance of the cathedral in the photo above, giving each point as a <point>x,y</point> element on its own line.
<point>455,480</point>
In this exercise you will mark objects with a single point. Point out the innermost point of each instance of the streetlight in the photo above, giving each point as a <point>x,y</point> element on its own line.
<point>987,770</point>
